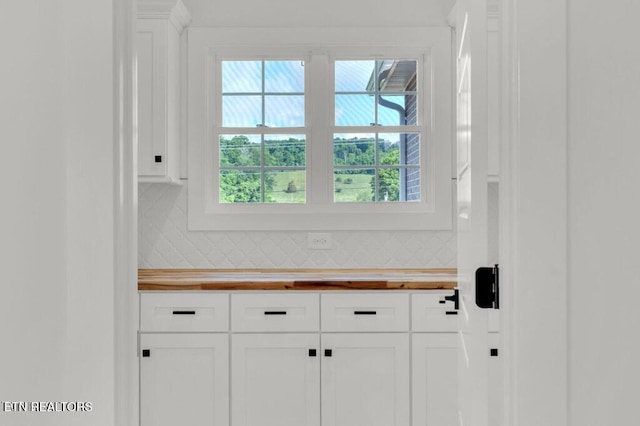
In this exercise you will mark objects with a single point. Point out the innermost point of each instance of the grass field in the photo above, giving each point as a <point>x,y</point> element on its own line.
<point>282,179</point>
<point>359,190</point>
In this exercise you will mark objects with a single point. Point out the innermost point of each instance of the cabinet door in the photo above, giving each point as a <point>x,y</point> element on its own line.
<point>275,380</point>
<point>365,379</point>
<point>184,379</point>
<point>435,379</point>
<point>151,40</point>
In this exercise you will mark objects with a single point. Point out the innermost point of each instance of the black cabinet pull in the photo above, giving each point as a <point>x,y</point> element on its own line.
<point>146,353</point>
<point>275,312</point>
<point>453,298</point>
<point>328,352</point>
<point>364,312</point>
<point>312,352</point>
<point>184,312</point>
<point>451,313</point>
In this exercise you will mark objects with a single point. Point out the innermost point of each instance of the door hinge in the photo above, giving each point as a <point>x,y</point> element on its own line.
<point>488,287</point>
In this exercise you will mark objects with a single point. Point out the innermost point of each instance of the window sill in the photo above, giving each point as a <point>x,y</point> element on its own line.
<point>316,221</point>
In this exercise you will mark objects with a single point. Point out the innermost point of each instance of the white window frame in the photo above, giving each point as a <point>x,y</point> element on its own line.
<point>319,47</point>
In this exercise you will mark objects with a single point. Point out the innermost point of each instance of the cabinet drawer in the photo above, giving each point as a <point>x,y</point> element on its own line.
<point>365,312</point>
<point>430,314</point>
<point>275,312</point>
<point>184,312</point>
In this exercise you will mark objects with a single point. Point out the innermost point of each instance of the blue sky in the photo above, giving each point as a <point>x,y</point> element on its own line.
<point>283,77</point>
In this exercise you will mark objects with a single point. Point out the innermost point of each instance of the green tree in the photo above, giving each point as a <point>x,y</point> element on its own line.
<point>388,179</point>
<point>240,186</point>
<point>239,151</point>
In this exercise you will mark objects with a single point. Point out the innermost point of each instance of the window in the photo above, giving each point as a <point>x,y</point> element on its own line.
<point>295,136</point>
<point>256,166</point>
<point>385,165</point>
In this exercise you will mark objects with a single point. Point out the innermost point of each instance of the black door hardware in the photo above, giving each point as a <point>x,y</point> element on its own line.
<point>312,352</point>
<point>146,353</point>
<point>488,287</point>
<point>275,312</point>
<point>455,298</point>
<point>451,313</point>
<point>158,158</point>
<point>494,352</point>
<point>364,312</point>
<point>184,312</point>
<point>328,352</point>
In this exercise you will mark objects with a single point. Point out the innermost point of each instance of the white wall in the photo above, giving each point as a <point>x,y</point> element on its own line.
<point>56,112</point>
<point>165,242</point>
<point>310,13</point>
<point>163,236</point>
<point>33,299</point>
<point>604,225</point>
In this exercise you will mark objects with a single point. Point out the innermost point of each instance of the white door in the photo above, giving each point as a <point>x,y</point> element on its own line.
<point>365,379</point>
<point>275,380</point>
<point>471,30</point>
<point>184,379</point>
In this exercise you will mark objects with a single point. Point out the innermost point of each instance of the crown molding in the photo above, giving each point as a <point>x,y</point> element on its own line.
<point>173,11</point>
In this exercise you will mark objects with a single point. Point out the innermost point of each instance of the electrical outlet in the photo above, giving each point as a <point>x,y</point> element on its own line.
<point>319,241</point>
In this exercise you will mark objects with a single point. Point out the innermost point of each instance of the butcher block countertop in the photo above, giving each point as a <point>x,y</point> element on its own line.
<point>297,279</point>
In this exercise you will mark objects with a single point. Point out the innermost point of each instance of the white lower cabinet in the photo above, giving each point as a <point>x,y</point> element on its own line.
<point>365,379</point>
<point>298,359</point>
<point>435,380</point>
<point>275,380</point>
<point>184,379</point>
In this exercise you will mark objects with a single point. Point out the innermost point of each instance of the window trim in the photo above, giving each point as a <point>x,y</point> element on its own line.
<point>207,47</point>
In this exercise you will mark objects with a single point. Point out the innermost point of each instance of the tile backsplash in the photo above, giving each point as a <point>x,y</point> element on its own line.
<point>165,242</point>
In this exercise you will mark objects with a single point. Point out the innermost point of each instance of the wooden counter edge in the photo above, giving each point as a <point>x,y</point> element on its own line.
<point>204,279</point>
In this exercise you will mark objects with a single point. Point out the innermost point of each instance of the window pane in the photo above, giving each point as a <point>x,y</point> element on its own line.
<point>398,184</point>
<point>353,185</point>
<point>241,76</point>
<point>240,186</point>
<point>354,110</point>
<point>353,150</point>
<point>284,77</point>
<point>391,84</point>
<point>388,185</point>
<point>239,150</point>
<point>241,111</point>
<point>353,76</point>
<point>285,186</point>
<point>285,150</point>
<point>397,110</point>
<point>399,148</point>
<point>397,75</point>
<point>284,111</point>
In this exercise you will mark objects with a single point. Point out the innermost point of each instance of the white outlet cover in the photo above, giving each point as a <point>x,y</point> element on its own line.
<point>319,240</point>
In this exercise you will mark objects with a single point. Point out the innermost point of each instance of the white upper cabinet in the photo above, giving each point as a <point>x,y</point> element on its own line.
<point>159,25</point>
